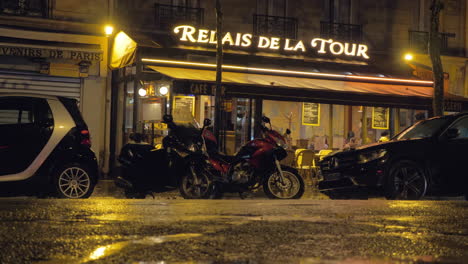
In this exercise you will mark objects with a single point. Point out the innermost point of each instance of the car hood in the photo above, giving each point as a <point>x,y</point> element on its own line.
<point>389,145</point>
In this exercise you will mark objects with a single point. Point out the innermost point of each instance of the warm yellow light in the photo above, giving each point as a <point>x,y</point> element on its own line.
<point>163,90</point>
<point>108,29</point>
<point>316,74</point>
<point>408,56</point>
<point>142,92</point>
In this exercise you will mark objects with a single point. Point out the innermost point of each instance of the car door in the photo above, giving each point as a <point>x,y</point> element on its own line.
<point>454,157</point>
<point>25,127</point>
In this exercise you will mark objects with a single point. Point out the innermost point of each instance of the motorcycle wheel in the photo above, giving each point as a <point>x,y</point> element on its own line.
<point>189,190</point>
<point>292,188</point>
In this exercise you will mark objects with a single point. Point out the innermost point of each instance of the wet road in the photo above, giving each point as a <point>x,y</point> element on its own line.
<point>106,230</point>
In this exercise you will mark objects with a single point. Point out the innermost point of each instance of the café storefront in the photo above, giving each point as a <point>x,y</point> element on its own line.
<point>328,93</point>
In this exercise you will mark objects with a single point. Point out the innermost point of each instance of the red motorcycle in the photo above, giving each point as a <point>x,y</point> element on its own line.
<point>256,164</point>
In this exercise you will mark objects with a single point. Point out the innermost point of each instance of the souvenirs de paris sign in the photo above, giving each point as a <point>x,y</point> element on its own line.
<point>322,46</point>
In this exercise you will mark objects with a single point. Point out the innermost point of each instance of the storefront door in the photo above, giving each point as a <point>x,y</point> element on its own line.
<point>239,121</point>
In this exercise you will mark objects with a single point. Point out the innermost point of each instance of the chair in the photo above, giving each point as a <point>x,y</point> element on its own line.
<point>305,163</point>
<point>324,152</point>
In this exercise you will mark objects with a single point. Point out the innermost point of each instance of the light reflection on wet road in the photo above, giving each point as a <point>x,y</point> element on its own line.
<point>232,231</point>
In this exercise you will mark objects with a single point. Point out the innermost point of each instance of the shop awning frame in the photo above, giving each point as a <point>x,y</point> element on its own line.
<point>274,87</point>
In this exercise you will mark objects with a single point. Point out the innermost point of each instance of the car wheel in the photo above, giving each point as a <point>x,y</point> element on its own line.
<point>74,181</point>
<point>406,181</point>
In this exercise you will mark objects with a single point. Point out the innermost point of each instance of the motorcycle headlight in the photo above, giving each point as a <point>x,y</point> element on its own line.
<point>281,143</point>
<point>371,155</point>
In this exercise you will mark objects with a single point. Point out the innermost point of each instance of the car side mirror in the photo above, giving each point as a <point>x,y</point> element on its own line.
<point>206,122</point>
<point>452,133</point>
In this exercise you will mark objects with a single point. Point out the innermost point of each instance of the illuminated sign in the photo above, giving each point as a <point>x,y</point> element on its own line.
<point>322,46</point>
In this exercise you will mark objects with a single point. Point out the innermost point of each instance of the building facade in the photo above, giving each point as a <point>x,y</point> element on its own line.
<point>59,48</point>
<point>331,71</point>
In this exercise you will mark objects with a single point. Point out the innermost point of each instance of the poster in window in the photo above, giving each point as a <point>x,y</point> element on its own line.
<point>151,109</point>
<point>183,109</point>
<point>311,114</point>
<point>380,117</point>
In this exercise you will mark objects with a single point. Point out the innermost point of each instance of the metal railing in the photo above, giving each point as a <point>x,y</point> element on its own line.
<point>285,27</point>
<point>418,41</point>
<point>340,31</point>
<point>167,16</point>
<point>33,8</point>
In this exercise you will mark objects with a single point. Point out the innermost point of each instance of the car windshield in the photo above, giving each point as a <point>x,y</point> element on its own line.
<point>423,129</point>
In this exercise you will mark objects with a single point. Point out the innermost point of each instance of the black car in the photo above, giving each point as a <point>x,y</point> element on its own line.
<point>430,157</point>
<point>45,147</point>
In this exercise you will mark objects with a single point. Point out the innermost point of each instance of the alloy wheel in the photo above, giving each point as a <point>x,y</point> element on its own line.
<point>74,182</point>
<point>409,183</point>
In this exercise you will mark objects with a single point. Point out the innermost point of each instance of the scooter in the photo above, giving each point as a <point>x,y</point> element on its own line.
<point>256,164</point>
<point>147,170</point>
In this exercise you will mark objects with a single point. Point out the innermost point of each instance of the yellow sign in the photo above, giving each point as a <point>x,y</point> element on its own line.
<point>183,108</point>
<point>311,114</point>
<point>323,46</point>
<point>380,117</point>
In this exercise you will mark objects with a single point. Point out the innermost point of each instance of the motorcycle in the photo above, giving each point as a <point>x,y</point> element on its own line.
<point>147,170</point>
<point>256,164</point>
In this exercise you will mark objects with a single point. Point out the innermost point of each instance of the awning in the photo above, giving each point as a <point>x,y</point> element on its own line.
<point>275,81</point>
<point>274,87</point>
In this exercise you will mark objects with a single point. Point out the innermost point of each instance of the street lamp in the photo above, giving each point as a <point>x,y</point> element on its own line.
<point>408,57</point>
<point>108,29</point>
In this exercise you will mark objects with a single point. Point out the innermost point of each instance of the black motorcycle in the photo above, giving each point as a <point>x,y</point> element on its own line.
<point>147,170</point>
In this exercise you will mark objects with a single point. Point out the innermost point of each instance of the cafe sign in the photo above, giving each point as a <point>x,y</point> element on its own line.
<point>245,40</point>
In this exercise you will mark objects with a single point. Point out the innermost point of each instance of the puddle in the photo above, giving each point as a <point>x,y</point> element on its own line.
<point>110,249</point>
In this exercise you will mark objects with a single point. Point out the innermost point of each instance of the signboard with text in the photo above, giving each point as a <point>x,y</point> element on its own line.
<point>311,114</point>
<point>321,46</point>
<point>380,117</point>
<point>51,53</point>
<point>183,108</point>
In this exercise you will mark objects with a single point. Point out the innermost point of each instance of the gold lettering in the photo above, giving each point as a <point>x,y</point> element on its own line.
<point>238,39</point>
<point>362,49</point>
<point>300,45</point>
<point>213,39</point>
<point>228,38</point>
<point>286,45</point>
<point>246,40</point>
<point>187,33</point>
<point>352,52</point>
<point>333,50</point>
<point>203,36</point>
<point>275,43</point>
<point>263,42</point>
<point>322,44</point>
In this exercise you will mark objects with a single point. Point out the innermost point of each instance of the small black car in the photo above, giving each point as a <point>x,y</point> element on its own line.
<point>45,147</point>
<point>430,157</point>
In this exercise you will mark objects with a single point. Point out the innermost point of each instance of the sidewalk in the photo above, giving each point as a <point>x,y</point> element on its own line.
<point>107,188</point>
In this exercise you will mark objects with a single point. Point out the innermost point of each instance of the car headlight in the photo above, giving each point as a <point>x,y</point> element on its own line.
<point>371,155</point>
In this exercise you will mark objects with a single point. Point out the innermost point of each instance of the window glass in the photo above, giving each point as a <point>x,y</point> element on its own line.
<point>423,129</point>
<point>462,126</point>
<point>15,111</point>
<point>9,116</point>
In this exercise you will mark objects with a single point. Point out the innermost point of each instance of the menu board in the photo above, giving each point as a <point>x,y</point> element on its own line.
<point>311,114</point>
<point>183,109</point>
<point>151,109</point>
<point>380,117</point>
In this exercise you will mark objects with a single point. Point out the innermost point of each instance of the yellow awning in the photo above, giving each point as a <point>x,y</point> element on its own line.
<point>274,81</point>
